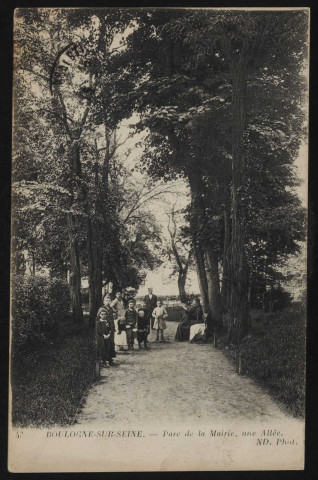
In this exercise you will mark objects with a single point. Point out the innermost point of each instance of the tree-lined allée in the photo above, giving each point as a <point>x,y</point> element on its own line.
<point>219,99</point>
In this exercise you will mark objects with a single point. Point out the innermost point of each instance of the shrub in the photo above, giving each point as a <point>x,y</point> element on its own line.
<point>175,314</point>
<point>276,300</point>
<point>191,297</point>
<point>39,304</point>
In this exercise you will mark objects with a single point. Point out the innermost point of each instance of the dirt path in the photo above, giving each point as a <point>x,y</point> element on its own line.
<point>175,382</point>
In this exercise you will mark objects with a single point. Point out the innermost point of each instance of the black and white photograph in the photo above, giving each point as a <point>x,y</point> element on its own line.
<point>159,239</point>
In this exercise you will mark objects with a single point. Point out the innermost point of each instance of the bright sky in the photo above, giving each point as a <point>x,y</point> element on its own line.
<point>159,279</point>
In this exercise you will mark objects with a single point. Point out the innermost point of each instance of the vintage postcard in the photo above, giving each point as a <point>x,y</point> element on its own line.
<point>159,239</point>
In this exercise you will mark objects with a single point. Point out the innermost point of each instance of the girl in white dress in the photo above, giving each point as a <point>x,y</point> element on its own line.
<point>120,337</point>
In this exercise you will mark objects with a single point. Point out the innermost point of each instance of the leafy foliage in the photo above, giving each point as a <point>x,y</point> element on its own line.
<point>175,71</point>
<point>39,305</point>
<point>77,124</point>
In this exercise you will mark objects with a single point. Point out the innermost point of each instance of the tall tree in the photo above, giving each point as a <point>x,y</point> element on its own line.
<point>247,50</point>
<point>248,42</point>
<point>78,69</point>
<point>179,251</point>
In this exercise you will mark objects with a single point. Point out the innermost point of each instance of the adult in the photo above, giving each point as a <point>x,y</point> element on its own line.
<point>189,316</point>
<point>184,325</point>
<point>118,305</point>
<point>198,331</point>
<point>119,309</point>
<point>151,303</point>
<point>110,318</point>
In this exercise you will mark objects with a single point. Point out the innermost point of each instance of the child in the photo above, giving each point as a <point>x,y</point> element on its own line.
<point>143,325</point>
<point>148,313</point>
<point>110,319</point>
<point>103,337</point>
<point>120,327</point>
<point>131,320</point>
<point>159,324</point>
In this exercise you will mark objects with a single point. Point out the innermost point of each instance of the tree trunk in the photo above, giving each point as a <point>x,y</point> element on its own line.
<point>182,276</point>
<point>201,274</point>
<point>95,259</point>
<point>91,274</point>
<point>75,274</point>
<point>239,321</point>
<point>196,188</point>
<point>211,261</point>
<point>98,271</point>
<point>75,269</point>
<point>226,276</point>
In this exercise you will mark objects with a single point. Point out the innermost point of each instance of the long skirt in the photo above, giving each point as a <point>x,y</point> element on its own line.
<point>120,338</point>
<point>183,331</point>
<point>104,350</point>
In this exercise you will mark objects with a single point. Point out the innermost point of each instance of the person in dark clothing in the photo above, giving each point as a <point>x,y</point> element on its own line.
<point>103,337</point>
<point>190,316</point>
<point>151,303</point>
<point>183,329</point>
<point>210,325</point>
<point>131,321</point>
<point>110,316</point>
<point>143,326</point>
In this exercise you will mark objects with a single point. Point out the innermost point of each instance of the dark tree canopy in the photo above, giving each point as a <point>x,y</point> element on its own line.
<point>219,98</point>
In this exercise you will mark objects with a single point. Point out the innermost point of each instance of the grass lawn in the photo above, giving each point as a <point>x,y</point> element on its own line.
<point>48,384</point>
<point>274,355</point>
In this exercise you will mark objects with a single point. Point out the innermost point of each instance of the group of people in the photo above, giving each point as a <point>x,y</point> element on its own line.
<point>193,324</point>
<point>119,324</point>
